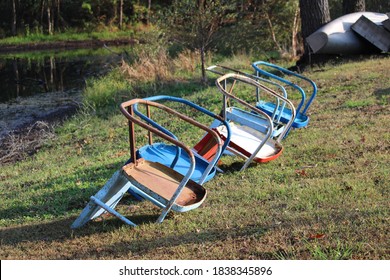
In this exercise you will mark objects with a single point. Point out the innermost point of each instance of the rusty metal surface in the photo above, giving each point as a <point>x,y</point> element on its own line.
<point>163,181</point>
<point>161,176</point>
<point>131,118</point>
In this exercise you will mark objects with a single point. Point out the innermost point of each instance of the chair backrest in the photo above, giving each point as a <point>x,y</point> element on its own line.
<point>221,83</point>
<point>303,104</point>
<point>151,101</point>
<point>276,114</point>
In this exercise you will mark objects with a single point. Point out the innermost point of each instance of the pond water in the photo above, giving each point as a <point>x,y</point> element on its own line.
<point>35,84</point>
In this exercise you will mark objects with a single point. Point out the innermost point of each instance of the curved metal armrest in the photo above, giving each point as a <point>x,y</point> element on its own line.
<point>286,71</point>
<point>256,84</point>
<point>195,106</point>
<point>283,70</point>
<point>254,77</point>
<point>257,78</point>
<point>127,110</point>
<point>156,125</point>
<point>247,80</point>
<point>157,128</point>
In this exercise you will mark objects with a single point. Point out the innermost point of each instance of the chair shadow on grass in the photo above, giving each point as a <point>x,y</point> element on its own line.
<point>57,204</point>
<point>235,167</point>
<point>143,246</point>
<point>57,195</point>
<point>60,231</point>
<point>383,94</point>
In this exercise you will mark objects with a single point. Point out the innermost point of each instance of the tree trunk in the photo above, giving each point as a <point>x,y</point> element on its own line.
<point>58,14</point>
<point>352,6</point>
<point>149,7</point>
<point>203,37</point>
<point>272,31</point>
<point>294,37</point>
<point>42,12</point>
<point>14,17</point>
<point>203,65</point>
<point>115,12</point>
<point>121,15</point>
<point>49,19</point>
<point>314,14</point>
<point>53,15</point>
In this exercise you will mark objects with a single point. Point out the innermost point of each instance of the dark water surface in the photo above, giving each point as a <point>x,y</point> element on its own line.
<point>27,74</point>
<point>36,84</point>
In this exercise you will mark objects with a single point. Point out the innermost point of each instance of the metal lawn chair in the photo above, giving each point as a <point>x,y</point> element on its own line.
<point>207,152</point>
<point>153,181</point>
<point>301,119</point>
<point>250,138</point>
<point>278,99</point>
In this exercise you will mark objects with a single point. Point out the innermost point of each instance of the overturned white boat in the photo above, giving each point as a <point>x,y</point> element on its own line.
<point>337,37</point>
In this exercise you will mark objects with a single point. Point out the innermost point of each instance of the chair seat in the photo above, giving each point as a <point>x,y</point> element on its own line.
<point>161,182</point>
<point>245,140</point>
<point>253,120</point>
<point>165,154</point>
<point>299,121</point>
<point>207,147</point>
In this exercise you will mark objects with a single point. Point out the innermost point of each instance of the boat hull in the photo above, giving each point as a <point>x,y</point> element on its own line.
<point>337,37</point>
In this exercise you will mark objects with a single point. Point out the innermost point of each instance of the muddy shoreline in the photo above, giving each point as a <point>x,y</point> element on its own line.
<point>28,123</point>
<point>27,139</point>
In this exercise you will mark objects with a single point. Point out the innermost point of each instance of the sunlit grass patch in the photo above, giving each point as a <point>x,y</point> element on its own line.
<point>108,90</point>
<point>39,37</point>
<point>358,103</point>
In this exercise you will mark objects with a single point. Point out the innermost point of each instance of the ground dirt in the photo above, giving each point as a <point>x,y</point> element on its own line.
<point>25,123</point>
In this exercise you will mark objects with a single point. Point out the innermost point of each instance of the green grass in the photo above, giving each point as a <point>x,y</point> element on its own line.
<point>326,197</point>
<point>359,103</point>
<point>66,36</point>
<point>38,55</point>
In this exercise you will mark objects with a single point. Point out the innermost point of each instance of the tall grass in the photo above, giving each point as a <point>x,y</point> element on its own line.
<point>148,74</point>
<point>108,90</point>
<point>38,37</point>
<point>160,68</point>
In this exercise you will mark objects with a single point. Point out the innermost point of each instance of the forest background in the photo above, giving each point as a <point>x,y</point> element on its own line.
<point>258,25</point>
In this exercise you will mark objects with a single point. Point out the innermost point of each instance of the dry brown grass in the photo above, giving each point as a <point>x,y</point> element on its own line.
<point>159,68</point>
<point>18,146</point>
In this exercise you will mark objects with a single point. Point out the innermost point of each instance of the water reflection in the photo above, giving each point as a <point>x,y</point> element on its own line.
<point>35,86</point>
<point>24,75</point>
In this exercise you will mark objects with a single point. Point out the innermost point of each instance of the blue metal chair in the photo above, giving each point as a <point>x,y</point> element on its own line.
<point>248,138</point>
<point>279,97</point>
<point>153,181</point>
<point>301,119</point>
<point>207,152</point>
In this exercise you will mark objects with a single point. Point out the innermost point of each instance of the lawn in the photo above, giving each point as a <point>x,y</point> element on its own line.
<point>326,197</point>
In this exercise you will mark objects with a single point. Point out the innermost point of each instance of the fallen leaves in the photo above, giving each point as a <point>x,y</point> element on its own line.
<point>301,172</point>
<point>316,236</point>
